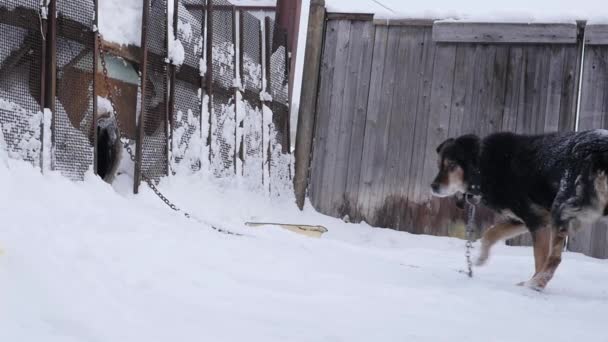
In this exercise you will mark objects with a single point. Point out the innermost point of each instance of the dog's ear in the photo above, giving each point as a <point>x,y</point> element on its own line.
<point>447,141</point>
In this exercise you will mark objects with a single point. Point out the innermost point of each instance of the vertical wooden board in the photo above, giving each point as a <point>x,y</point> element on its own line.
<point>401,128</point>
<point>496,107</point>
<point>421,181</point>
<point>568,107</point>
<point>355,153</point>
<point>524,121</point>
<point>328,60</point>
<point>543,89</point>
<point>515,86</point>
<point>329,188</point>
<point>356,84</point>
<point>554,88</point>
<point>373,122</point>
<point>599,243</point>
<point>540,92</point>
<point>439,122</point>
<point>592,92</point>
<point>482,88</point>
<point>383,130</point>
<point>462,76</point>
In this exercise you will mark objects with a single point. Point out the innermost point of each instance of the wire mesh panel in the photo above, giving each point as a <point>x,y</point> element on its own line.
<point>278,83</point>
<point>154,132</point>
<point>223,122</point>
<point>73,111</point>
<point>187,141</point>
<point>251,66</point>
<point>20,62</point>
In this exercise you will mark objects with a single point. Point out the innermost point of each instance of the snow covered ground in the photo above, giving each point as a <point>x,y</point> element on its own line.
<point>88,262</point>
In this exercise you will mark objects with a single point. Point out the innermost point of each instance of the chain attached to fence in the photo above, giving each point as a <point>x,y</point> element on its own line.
<point>129,150</point>
<point>470,232</point>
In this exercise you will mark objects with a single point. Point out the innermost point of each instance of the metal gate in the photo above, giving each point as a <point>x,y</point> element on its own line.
<point>21,58</point>
<point>73,53</point>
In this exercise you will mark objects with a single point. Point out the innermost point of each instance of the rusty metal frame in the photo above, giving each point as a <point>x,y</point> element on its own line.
<point>172,70</point>
<point>237,150</point>
<point>140,124</point>
<point>95,61</point>
<point>268,76</point>
<point>209,76</point>
<point>229,7</point>
<point>51,73</point>
<point>44,23</point>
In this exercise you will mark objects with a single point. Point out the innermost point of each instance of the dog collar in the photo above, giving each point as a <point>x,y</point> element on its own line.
<point>475,184</point>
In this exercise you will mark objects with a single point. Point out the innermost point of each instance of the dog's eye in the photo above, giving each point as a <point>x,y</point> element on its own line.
<point>452,166</point>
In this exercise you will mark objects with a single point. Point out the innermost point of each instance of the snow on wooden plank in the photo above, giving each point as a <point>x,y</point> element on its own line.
<point>458,32</point>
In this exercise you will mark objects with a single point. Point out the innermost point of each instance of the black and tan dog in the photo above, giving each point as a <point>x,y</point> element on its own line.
<point>546,184</point>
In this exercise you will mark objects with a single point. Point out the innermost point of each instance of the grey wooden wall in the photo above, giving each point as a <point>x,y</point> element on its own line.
<point>594,114</point>
<point>390,92</point>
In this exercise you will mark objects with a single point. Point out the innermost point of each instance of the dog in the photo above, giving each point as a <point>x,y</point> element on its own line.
<point>547,184</point>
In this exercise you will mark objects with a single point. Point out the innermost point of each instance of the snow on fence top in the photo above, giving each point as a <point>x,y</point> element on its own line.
<point>120,21</point>
<point>594,11</point>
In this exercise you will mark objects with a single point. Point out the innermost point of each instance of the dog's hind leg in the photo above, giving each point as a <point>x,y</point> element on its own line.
<point>542,278</point>
<point>541,242</point>
<point>498,232</point>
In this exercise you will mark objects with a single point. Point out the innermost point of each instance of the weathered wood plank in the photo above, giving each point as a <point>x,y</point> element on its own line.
<point>459,32</point>
<point>570,82</point>
<point>372,123</point>
<point>459,95</point>
<point>497,98</point>
<point>350,144</point>
<point>395,211</point>
<point>419,187</point>
<point>596,34</point>
<point>330,189</point>
<point>554,90</point>
<point>388,212</point>
<point>381,154</point>
<point>515,70</point>
<point>328,61</point>
<point>404,22</point>
<point>350,16</point>
<point>308,99</point>
<point>439,125</point>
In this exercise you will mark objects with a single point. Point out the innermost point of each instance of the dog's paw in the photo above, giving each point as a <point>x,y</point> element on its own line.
<point>483,256</point>
<point>481,260</point>
<point>532,284</point>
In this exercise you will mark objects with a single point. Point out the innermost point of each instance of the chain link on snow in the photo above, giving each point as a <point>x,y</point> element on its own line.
<point>127,146</point>
<point>470,232</point>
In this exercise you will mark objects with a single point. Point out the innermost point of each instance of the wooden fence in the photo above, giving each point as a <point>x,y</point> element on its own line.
<point>390,91</point>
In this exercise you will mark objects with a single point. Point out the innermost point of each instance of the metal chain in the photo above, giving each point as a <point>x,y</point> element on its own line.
<point>129,150</point>
<point>470,232</point>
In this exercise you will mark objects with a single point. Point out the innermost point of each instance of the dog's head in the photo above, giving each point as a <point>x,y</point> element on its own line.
<point>457,161</point>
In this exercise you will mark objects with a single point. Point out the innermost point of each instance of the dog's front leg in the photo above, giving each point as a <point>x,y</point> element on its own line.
<point>498,232</point>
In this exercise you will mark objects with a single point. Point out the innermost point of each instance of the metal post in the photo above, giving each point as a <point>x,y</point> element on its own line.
<point>236,89</point>
<point>241,29</point>
<point>42,99</point>
<point>209,76</point>
<point>51,74</point>
<point>308,99</point>
<point>142,115</point>
<point>95,58</point>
